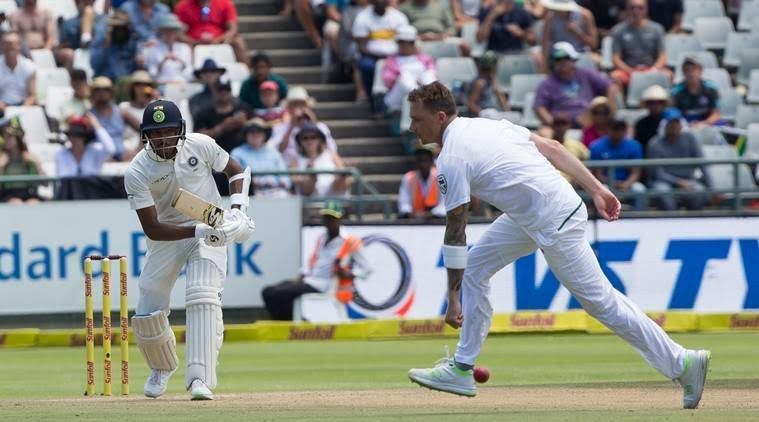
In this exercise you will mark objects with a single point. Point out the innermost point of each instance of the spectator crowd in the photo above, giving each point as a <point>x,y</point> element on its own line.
<point>597,75</point>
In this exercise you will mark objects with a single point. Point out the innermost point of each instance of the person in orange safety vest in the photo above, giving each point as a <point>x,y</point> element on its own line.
<point>419,195</point>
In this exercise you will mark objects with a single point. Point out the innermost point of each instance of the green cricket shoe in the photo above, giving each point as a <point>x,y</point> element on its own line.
<point>693,377</point>
<point>446,377</point>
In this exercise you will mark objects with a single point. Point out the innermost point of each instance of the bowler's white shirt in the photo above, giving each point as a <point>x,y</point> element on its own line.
<point>149,182</point>
<point>496,161</point>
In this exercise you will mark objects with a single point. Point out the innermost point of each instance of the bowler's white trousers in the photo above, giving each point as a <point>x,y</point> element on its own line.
<point>205,274</point>
<point>572,260</point>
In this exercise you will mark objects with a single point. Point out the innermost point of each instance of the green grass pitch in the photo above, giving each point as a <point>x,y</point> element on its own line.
<point>533,377</point>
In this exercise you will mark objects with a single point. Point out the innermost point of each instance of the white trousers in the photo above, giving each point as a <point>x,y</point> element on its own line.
<point>205,274</point>
<point>572,260</point>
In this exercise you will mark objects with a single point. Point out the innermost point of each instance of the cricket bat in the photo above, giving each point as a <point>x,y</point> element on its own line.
<point>198,208</point>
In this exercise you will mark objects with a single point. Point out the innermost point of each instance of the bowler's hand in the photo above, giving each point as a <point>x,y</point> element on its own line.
<point>607,204</point>
<point>453,315</point>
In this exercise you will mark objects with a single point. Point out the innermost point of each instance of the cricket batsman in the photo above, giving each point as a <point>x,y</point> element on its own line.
<point>172,160</point>
<point>515,170</point>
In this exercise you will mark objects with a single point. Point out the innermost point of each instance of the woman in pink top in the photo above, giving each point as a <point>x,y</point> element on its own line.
<point>596,120</point>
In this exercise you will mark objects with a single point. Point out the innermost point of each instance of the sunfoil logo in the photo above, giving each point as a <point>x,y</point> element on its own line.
<point>20,260</point>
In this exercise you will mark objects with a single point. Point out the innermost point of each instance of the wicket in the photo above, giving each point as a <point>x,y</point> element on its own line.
<point>105,267</point>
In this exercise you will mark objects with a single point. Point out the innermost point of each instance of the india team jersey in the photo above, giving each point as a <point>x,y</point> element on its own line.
<point>149,182</point>
<point>496,161</point>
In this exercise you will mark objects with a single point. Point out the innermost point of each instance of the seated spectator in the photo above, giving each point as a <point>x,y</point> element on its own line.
<point>300,111</point>
<point>209,75</point>
<point>638,44</point>
<point>145,16</point>
<point>506,26</point>
<point>254,154</point>
<point>465,11</point>
<point>374,30</point>
<point>90,146</point>
<point>560,132</point>
<point>419,196</point>
<point>212,22</point>
<point>434,21</point>
<point>313,154</point>
<point>271,112</point>
<point>407,70</point>
<point>311,14</point>
<point>655,100</point>
<point>486,98</point>
<point>35,24</point>
<point>170,61</point>
<point>596,120</point>
<point>17,75</point>
<point>335,261</point>
<point>667,13</point>
<point>79,104</point>
<point>566,21</point>
<point>570,89</point>
<point>347,48</point>
<point>16,160</point>
<point>673,142</point>
<point>107,114</point>
<point>333,14</point>
<point>114,53</point>
<point>606,13</point>
<point>696,97</point>
<point>260,65</point>
<point>616,146</point>
<point>142,91</point>
<point>224,120</point>
<point>77,32</point>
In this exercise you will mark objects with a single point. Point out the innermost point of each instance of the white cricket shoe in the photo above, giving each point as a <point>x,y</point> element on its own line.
<point>446,377</point>
<point>199,390</point>
<point>157,382</point>
<point>693,377</point>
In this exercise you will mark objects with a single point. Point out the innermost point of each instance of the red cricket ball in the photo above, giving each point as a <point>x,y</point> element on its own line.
<point>481,374</point>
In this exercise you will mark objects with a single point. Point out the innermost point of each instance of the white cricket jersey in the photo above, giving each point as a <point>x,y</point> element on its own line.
<point>496,161</point>
<point>155,183</point>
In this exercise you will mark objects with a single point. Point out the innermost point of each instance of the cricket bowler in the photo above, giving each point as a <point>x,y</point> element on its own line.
<point>514,170</point>
<point>170,160</point>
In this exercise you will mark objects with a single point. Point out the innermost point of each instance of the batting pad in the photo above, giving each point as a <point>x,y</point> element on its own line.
<point>205,324</point>
<point>156,340</point>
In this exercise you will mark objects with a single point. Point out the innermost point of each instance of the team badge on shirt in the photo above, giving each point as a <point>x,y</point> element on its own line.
<point>442,184</point>
<point>193,161</point>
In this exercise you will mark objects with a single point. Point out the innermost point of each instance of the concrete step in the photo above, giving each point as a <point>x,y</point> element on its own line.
<point>369,147</point>
<point>258,7</point>
<point>293,57</point>
<point>358,128</point>
<point>385,183</point>
<point>267,23</point>
<point>279,40</point>
<point>300,75</point>
<point>331,92</point>
<point>381,165</point>
<point>337,110</point>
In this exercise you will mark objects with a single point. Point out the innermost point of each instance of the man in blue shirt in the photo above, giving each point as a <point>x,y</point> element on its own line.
<point>616,146</point>
<point>145,16</point>
<point>505,26</point>
<point>114,52</point>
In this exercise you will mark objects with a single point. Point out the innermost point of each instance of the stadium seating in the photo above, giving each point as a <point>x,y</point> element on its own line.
<point>222,54</point>
<point>438,49</point>
<point>451,69</point>
<point>82,61</point>
<point>745,115</point>
<point>736,43</point>
<point>749,62</point>
<point>631,115</point>
<point>640,81</point>
<point>676,45</point>
<point>8,6</point>
<point>405,116</point>
<point>607,51</point>
<point>728,103</point>
<point>43,58</point>
<point>749,11</point>
<point>46,78</point>
<point>61,8</point>
<point>33,121</point>
<point>719,77</point>
<point>712,32</point>
<point>510,65</point>
<point>694,9</point>
<point>752,141</point>
<point>586,61</point>
<point>521,85</point>
<point>722,175</point>
<point>708,135</point>
<point>529,117</point>
<point>753,87</point>
<point>56,97</point>
<point>469,34</point>
<point>179,92</point>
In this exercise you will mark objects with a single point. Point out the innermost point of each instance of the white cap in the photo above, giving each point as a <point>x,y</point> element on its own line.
<point>405,33</point>
<point>561,5</point>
